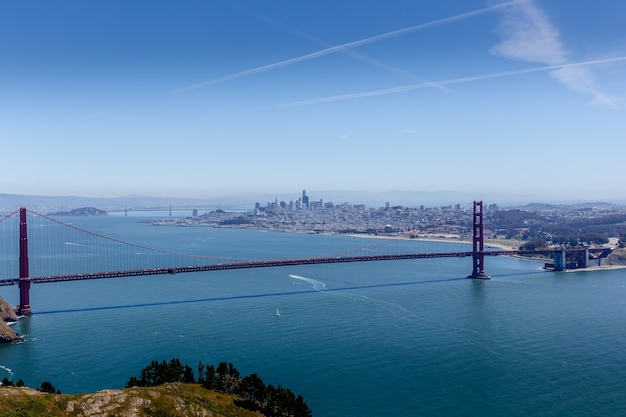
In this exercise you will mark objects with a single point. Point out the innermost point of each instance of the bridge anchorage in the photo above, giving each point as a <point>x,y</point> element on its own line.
<point>578,258</point>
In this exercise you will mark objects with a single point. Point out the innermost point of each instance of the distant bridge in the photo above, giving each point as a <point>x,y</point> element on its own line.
<point>68,253</point>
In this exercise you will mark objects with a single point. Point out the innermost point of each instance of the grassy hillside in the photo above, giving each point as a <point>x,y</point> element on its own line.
<point>167,400</point>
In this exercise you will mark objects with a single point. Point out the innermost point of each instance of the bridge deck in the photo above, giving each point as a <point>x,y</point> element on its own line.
<point>277,263</point>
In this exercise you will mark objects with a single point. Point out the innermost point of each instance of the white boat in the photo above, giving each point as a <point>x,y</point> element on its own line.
<point>277,314</point>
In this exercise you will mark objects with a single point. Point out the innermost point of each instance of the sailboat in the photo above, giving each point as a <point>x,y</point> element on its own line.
<point>277,314</point>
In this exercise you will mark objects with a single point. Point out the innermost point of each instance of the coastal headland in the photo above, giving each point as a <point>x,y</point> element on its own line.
<point>170,399</point>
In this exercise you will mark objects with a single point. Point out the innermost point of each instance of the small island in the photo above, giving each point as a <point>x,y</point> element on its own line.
<point>83,211</point>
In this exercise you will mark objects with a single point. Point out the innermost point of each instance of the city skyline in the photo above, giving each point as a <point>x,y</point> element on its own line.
<point>221,98</point>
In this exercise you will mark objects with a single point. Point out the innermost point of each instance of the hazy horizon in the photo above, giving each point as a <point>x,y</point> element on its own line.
<point>405,198</point>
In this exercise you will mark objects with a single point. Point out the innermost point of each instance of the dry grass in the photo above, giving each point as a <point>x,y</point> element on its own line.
<point>172,400</point>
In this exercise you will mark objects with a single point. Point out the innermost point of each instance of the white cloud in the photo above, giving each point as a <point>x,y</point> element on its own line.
<point>580,79</point>
<point>528,35</point>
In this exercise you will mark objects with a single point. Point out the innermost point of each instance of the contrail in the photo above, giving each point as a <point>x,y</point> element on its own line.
<point>349,52</point>
<point>348,45</point>
<point>445,82</point>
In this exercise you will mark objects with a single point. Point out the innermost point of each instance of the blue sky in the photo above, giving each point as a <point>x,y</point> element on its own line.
<point>217,97</point>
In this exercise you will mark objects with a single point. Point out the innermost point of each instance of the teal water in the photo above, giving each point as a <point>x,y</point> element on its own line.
<point>396,338</point>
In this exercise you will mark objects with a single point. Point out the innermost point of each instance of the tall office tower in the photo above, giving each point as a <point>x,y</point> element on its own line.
<point>305,199</point>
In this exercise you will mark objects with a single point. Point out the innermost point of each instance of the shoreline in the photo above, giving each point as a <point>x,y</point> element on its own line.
<point>502,244</point>
<point>597,268</point>
<point>433,238</point>
<point>496,244</point>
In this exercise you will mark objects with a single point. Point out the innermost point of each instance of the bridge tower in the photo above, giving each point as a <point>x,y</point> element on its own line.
<point>478,243</point>
<point>24,284</point>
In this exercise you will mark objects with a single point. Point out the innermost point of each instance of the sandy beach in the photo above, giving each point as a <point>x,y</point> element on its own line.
<point>504,245</point>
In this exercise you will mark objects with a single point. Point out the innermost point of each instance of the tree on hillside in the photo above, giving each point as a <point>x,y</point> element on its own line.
<point>158,373</point>
<point>228,378</point>
<point>46,386</point>
<point>536,243</point>
<point>271,401</point>
<point>207,378</point>
<point>594,238</point>
<point>566,240</point>
<point>280,401</point>
<point>252,388</point>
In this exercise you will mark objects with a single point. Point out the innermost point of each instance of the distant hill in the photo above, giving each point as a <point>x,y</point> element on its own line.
<point>50,204</point>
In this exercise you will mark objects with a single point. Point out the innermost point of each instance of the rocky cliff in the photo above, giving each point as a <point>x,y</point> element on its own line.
<point>7,314</point>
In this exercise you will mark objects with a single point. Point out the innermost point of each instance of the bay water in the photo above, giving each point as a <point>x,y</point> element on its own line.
<point>392,338</point>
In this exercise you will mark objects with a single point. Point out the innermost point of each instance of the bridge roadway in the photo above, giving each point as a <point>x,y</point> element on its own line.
<point>279,262</point>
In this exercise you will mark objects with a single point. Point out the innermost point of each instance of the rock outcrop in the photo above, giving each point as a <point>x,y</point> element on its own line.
<point>7,314</point>
<point>8,335</point>
<point>171,399</point>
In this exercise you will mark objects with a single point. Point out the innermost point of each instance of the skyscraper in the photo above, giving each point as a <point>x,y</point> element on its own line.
<point>305,199</point>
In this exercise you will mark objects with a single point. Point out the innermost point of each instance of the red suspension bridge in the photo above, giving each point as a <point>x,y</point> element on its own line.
<point>49,250</point>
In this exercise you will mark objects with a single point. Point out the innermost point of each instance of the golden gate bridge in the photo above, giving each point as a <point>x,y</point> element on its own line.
<point>49,250</point>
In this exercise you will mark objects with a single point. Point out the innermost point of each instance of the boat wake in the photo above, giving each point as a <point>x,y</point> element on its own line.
<point>8,370</point>
<point>317,285</point>
<point>401,311</point>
